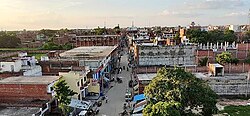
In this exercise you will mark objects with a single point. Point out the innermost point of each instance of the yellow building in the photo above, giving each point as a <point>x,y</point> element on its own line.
<point>79,83</point>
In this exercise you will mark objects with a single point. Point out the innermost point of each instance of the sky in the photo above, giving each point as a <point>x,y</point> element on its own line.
<point>57,14</point>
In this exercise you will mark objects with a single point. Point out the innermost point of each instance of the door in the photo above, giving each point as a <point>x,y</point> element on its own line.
<point>12,68</point>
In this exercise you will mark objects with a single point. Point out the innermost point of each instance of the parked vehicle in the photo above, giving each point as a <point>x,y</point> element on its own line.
<point>128,95</point>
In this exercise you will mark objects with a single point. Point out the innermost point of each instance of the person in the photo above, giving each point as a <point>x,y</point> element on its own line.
<point>120,69</point>
<point>106,99</point>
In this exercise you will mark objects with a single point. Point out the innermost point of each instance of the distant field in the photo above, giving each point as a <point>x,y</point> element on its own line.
<point>37,55</point>
<point>237,110</point>
<point>15,49</point>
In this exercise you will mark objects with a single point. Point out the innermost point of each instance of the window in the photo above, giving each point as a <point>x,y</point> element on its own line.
<point>78,83</point>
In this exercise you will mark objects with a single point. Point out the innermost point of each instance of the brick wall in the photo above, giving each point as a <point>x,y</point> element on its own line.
<point>54,67</point>
<point>10,74</point>
<point>23,93</point>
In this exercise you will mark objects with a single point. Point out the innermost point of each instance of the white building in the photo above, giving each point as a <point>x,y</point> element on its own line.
<point>235,28</point>
<point>11,66</point>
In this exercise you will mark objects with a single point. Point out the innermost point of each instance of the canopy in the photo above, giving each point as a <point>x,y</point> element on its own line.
<point>138,109</point>
<point>138,97</point>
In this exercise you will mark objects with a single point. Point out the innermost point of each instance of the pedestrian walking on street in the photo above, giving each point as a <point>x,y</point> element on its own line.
<point>106,99</point>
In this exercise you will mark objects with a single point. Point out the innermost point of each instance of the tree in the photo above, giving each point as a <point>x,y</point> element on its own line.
<point>246,36</point>
<point>175,92</point>
<point>100,31</point>
<point>229,36</point>
<point>117,29</point>
<point>203,61</point>
<point>9,40</point>
<point>224,57</point>
<point>63,95</point>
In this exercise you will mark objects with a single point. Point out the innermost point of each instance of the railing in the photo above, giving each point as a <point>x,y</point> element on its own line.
<point>42,111</point>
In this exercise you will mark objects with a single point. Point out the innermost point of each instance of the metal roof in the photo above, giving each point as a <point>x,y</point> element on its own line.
<point>89,52</point>
<point>149,76</point>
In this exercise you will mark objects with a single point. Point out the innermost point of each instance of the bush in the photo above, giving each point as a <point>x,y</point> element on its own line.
<point>247,61</point>
<point>203,61</point>
<point>235,60</point>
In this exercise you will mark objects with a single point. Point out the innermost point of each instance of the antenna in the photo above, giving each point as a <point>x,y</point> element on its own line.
<point>132,23</point>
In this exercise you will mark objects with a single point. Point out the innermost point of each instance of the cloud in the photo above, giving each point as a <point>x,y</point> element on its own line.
<point>183,14</point>
<point>236,14</point>
<point>215,4</point>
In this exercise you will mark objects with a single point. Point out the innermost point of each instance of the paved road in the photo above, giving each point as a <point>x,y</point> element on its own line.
<point>116,94</point>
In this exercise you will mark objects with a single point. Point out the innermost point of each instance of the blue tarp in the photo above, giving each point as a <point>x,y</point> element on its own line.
<point>138,97</point>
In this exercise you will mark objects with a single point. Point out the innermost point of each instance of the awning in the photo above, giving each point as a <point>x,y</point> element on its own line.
<point>137,114</point>
<point>138,109</point>
<point>144,102</point>
<point>138,97</point>
<point>136,87</point>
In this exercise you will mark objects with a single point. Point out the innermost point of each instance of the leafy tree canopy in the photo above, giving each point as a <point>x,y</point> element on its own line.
<point>63,95</point>
<point>224,57</point>
<point>198,36</point>
<point>9,40</point>
<point>174,92</point>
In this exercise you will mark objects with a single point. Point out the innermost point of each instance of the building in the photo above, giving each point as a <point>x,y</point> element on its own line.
<point>54,66</point>
<point>97,58</point>
<point>227,85</point>
<point>149,58</point>
<point>11,66</point>
<point>216,69</point>
<point>77,81</point>
<point>235,28</point>
<point>101,60</point>
<point>97,40</point>
<point>30,91</point>
<point>27,36</point>
<point>143,80</point>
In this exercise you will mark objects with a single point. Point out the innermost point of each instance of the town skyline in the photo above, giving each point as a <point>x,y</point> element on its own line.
<point>35,15</point>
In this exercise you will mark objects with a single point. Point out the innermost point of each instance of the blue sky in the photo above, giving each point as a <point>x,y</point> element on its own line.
<point>56,14</point>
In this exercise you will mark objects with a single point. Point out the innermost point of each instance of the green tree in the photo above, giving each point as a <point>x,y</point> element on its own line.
<point>229,36</point>
<point>235,60</point>
<point>9,40</point>
<point>224,57</point>
<point>180,92</point>
<point>100,31</point>
<point>246,36</point>
<point>203,61</point>
<point>117,29</point>
<point>63,95</point>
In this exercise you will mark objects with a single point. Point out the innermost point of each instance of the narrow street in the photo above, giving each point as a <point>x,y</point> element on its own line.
<point>116,94</point>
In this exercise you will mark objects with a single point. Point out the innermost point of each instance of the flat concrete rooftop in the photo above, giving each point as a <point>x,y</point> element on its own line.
<point>142,77</point>
<point>29,80</point>
<point>89,52</point>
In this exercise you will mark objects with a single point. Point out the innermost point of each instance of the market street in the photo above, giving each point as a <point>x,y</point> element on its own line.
<point>116,94</point>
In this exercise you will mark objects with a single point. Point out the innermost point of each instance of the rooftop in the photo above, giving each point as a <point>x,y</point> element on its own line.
<point>100,36</point>
<point>84,105</point>
<point>217,65</point>
<point>29,80</point>
<point>142,77</point>
<point>89,52</point>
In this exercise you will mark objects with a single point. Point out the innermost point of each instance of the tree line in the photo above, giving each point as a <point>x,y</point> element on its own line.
<point>9,40</point>
<point>199,36</point>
